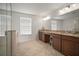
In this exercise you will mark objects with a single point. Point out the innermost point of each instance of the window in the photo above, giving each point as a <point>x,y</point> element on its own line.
<point>25,25</point>
<point>54,25</point>
<point>5,24</point>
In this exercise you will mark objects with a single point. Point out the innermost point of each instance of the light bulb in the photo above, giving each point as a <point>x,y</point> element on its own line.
<point>47,18</point>
<point>73,5</point>
<point>66,8</point>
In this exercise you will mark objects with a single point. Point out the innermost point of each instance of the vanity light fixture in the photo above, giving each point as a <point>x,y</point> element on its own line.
<point>69,8</point>
<point>47,18</point>
<point>73,5</point>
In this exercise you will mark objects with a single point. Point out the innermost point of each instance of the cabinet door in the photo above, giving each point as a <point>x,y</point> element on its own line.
<point>77,49</point>
<point>46,38</point>
<point>57,42</point>
<point>68,47</point>
<point>40,35</point>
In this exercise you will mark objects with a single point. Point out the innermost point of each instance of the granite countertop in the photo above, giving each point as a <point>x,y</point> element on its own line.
<point>60,32</point>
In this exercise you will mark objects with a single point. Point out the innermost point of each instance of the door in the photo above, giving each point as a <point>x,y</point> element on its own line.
<point>5,25</point>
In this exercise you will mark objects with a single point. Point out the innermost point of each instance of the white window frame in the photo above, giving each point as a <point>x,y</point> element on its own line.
<point>3,25</point>
<point>25,29</point>
<point>53,25</point>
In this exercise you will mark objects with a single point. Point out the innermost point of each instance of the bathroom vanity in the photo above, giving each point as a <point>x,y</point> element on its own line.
<point>66,43</point>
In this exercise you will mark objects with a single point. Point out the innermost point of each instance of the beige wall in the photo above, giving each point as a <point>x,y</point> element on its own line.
<point>37,23</point>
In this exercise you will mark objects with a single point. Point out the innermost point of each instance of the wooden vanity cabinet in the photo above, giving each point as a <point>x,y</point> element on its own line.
<point>40,35</point>
<point>45,37</point>
<point>70,45</point>
<point>56,38</point>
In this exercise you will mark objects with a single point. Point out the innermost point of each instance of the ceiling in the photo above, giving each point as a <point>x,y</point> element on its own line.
<point>41,9</point>
<point>71,15</point>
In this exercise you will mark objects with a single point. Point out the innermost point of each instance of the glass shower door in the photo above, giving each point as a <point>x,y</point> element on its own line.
<point>5,25</point>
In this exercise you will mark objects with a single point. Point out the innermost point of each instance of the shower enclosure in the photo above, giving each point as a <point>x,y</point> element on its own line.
<point>6,32</point>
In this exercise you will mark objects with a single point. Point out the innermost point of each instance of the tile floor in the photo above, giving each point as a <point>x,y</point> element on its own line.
<point>36,48</point>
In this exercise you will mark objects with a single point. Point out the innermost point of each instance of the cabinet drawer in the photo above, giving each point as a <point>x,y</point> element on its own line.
<point>75,39</point>
<point>56,36</point>
<point>67,37</point>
